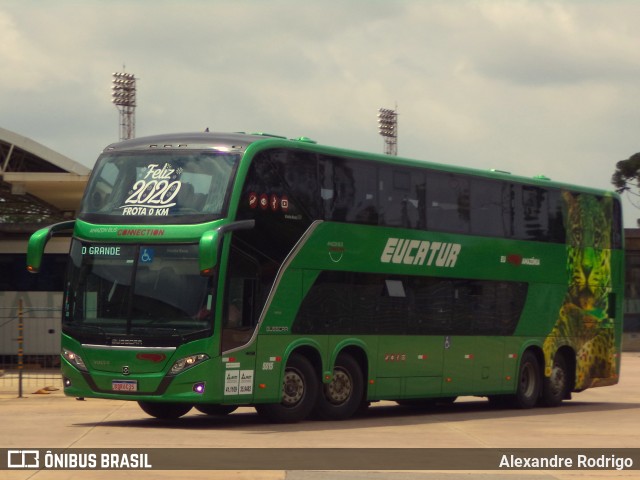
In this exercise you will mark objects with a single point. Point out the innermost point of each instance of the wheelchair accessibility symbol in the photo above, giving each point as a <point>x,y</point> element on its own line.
<point>146,255</point>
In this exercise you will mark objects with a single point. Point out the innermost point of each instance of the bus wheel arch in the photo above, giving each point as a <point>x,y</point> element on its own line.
<point>558,385</point>
<point>345,394</point>
<point>300,388</point>
<point>529,380</point>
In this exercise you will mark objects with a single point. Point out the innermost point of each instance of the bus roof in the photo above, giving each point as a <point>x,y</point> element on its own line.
<point>240,141</point>
<point>235,141</point>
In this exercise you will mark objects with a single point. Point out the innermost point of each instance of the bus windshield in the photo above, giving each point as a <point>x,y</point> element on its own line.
<point>152,186</point>
<point>139,295</point>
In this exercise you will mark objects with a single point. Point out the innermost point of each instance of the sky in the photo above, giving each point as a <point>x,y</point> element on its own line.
<point>530,87</point>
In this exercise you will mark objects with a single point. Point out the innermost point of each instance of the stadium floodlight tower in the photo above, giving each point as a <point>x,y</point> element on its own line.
<point>388,128</point>
<point>124,97</point>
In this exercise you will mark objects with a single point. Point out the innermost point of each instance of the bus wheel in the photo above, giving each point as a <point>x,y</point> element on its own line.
<point>165,411</point>
<point>529,382</point>
<point>342,397</point>
<point>209,409</point>
<point>299,393</point>
<point>554,388</point>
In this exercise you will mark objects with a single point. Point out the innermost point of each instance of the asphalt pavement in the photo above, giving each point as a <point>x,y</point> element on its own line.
<point>596,420</point>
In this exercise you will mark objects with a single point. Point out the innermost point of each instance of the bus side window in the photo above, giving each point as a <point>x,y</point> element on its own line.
<point>239,311</point>
<point>240,315</point>
<point>349,190</point>
<point>448,203</point>
<point>233,316</point>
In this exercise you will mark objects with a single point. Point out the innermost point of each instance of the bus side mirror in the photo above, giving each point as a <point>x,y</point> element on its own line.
<point>37,242</point>
<point>208,256</point>
<point>210,244</point>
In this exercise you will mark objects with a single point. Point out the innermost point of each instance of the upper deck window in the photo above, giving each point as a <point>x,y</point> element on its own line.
<point>152,185</point>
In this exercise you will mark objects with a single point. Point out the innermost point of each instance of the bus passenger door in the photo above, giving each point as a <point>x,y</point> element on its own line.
<point>239,320</point>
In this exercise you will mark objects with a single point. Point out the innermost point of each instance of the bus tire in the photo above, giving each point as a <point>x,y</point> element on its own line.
<point>529,382</point>
<point>299,393</point>
<point>341,398</point>
<point>555,387</point>
<point>165,411</point>
<point>214,409</point>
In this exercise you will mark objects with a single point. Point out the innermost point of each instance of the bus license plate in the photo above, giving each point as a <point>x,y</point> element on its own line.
<point>124,385</point>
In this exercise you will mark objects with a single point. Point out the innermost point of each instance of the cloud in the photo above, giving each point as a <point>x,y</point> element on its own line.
<point>25,66</point>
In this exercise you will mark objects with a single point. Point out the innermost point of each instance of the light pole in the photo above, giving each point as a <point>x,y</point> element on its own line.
<point>388,128</point>
<point>124,97</point>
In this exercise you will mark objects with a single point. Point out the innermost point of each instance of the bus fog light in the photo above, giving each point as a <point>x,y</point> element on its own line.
<point>187,362</point>
<point>73,359</point>
<point>199,387</point>
<point>66,382</point>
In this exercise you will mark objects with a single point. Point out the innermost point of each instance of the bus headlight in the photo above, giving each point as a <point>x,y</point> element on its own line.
<point>187,362</point>
<point>75,360</point>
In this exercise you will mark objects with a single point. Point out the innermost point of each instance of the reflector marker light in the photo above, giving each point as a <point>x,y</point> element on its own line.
<point>275,359</point>
<point>469,356</point>
<point>512,355</point>
<point>228,359</point>
<point>422,357</point>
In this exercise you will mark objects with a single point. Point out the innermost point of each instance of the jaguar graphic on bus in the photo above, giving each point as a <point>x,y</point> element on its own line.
<point>214,271</point>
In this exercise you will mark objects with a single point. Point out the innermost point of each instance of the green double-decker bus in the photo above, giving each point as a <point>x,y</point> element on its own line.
<point>216,270</point>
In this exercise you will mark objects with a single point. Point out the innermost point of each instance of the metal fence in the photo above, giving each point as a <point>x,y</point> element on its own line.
<point>29,345</point>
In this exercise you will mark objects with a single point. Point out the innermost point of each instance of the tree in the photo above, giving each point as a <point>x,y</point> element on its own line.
<point>626,178</point>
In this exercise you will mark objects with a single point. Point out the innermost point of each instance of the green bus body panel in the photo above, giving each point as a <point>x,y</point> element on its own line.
<point>396,366</point>
<point>400,366</point>
<point>143,233</point>
<point>362,248</point>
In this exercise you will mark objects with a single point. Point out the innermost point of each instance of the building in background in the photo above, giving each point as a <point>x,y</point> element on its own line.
<point>38,187</point>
